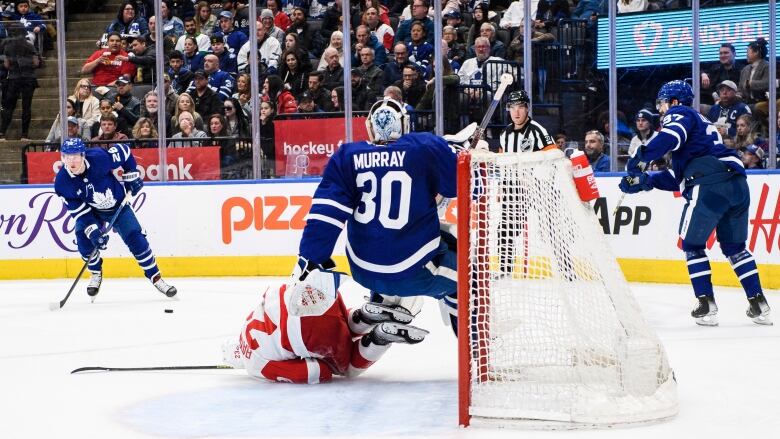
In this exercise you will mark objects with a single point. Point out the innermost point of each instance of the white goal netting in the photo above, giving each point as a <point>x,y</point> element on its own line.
<point>556,336</point>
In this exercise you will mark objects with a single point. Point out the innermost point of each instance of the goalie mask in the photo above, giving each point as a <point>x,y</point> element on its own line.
<point>387,121</point>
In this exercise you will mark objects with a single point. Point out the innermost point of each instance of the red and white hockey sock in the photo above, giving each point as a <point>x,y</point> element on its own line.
<point>364,355</point>
<point>356,325</point>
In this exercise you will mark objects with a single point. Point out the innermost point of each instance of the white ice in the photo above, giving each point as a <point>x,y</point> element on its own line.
<point>729,384</point>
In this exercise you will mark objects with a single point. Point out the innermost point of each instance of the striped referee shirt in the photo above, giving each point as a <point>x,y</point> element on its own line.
<point>531,137</point>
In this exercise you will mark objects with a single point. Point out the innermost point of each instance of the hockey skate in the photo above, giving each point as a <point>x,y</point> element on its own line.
<point>94,284</point>
<point>706,314</point>
<point>373,313</point>
<point>163,287</point>
<point>390,332</point>
<point>758,311</point>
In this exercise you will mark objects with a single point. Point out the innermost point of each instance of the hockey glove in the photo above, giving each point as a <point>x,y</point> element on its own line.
<point>635,184</point>
<point>133,182</point>
<point>636,165</point>
<point>97,235</point>
<point>303,267</point>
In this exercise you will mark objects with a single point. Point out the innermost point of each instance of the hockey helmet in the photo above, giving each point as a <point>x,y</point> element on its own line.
<point>73,145</point>
<point>387,121</point>
<point>676,89</point>
<point>315,294</point>
<point>519,97</point>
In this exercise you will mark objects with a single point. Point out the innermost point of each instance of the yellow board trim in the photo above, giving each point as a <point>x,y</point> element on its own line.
<point>635,270</point>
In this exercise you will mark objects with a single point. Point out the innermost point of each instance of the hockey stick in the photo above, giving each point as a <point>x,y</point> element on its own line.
<point>54,306</point>
<point>506,80</point>
<point>142,369</point>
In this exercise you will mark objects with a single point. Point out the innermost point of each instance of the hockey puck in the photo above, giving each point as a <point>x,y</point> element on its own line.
<point>169,311</point>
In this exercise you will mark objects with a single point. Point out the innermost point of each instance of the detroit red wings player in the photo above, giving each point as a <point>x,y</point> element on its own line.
<point>303,333</point>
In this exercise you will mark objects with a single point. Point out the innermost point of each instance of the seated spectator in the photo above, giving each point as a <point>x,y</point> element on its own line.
<point>514,17</point>
<point>76,126</point>
<point>725,112</point>
<point>550,12</point>
<point>220,83</point>
<point>291,43</point>
<point>269,51</point>
<point>745,134</point>
<point>149,109</point>
<point>281,20</point>
<point>589,10</point>
<point>185,103</point>
<point>294,72</point>
<point>205,21</point>
<point>187,132</point>
<point>420,51</point>
<point>454,19</point>
<point>754,77</point>
<point>450,79</point>
<point>372,76</point>
<point>393,92</point>
<point>645,130</point>
<point>274,91</point>
<point>171,96</point>
<point>456,52</point>
<point>302,29</point>
<point>628,6</point>
<point>363,96</point>
<point>359,15</point>
<point>331,21</point>
<point>179,74</point>
<point>226,60</point>
<point>231,36</point>
<point>319,94</point>
<point>411,86</point>
<point>172,26</point>
<point>726,69</point>
<point>243,91</point>
<point>363,38</point>
<point>191,30</point>
<point>144,58</point>
<point>85,104</point>
<point>128,21</point>
<point>336,100</point>
<point>107,110</point>
<point>382,31</point>
<point>333,75</point>
<point>560,140</point>
<point>267,18</point>
<point>594,150</point>
<point>419,11</point>
<point>182,8</point>
<point>145,133</point>
<point>393,70</point>
<point>240,12</point>
<point>753,157</point>
<point>168,42</point>
<point>108,130</point>
<point>336,43</point>
<point>471,71</point>
<point>307,106</point>
<point>480,16</point>
<point>192,57</point>
<point>104,65</point>
<point>267,144</point>
<point>236,121</point>
<point>497,48</point>
<point>126,106</point>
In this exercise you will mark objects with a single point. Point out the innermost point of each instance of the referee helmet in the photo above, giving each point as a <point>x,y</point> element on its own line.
<point>519,97</point>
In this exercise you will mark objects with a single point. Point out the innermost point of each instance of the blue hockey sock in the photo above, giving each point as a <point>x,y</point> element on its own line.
<point>95,264</point>
<point>147,263</point>
<point>744,266</point>
<point>448,305</point>
<point>699,272</point>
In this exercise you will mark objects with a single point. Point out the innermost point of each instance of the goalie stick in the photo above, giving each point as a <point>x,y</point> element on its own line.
<point>54,306</point>
<point>506,80</point>
<point>142,369</point>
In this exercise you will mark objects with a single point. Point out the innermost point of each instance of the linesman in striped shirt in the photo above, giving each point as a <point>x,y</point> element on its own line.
<point>522,135</point>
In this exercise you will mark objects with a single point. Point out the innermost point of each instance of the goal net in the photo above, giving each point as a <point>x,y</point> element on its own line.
<point>550,335</point>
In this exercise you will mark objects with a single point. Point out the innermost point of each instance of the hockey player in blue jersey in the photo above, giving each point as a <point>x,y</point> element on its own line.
<point>91,193</point>
<point>384,192</point>
<point>712,180</point>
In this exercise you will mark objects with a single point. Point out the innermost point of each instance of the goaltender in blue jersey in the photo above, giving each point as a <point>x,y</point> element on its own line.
<point>384,192</point>
<point>92,194</point>
<point>713,182</point>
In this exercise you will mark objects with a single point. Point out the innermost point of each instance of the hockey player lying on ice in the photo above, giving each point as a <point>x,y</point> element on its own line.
<point>303,333</point>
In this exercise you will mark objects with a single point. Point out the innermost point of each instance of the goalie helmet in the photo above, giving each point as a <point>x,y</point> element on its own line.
<point>677,89</point>
<point>387,121</point>
<point>519,97</point>
<point>73,145</point>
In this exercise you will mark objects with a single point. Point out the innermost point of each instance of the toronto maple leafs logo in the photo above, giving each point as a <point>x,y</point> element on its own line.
<point>103,201</point>
<point>385,123</point>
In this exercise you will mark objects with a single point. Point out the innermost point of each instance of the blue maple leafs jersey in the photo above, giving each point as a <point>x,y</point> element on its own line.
<point>97,188</point>
<point>688,135</point>
<point>385,195</point>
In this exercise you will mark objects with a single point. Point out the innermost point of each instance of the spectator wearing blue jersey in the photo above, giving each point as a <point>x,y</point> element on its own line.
<point>716,193</point>
<point>419,10</point>
<point>725,112</point>
<point>179,74</point>
<point>228,62</point>
<point>128,21</point>
<point>193,58</point>
<point>420,50</point>
<point>594,150</point>
<point>172,26</point>
<point>221,83</point>
<point>233,37</point>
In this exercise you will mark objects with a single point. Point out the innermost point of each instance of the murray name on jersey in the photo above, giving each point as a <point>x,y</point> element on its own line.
<point>391,228</point>
<point>97,187</point>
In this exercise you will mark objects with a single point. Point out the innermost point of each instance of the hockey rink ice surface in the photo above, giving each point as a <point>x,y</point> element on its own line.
<point>728,376</point>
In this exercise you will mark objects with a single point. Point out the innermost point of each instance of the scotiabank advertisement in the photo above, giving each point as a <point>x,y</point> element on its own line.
<point>200,163</point>
<point>299,154</point>
<point>267,218</point>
